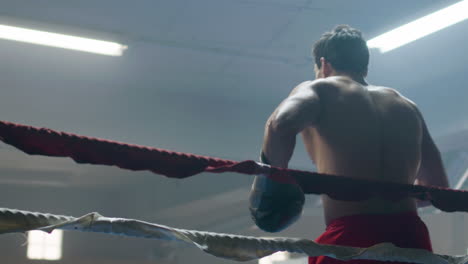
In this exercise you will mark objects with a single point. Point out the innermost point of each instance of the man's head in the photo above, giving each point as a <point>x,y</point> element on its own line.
<point>341,51</point>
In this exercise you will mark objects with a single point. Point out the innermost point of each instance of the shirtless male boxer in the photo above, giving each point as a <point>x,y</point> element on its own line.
<point>354,129</point>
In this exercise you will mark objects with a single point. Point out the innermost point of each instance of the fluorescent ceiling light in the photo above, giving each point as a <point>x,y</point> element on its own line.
<point>420,27</point>
<point>61,41</point>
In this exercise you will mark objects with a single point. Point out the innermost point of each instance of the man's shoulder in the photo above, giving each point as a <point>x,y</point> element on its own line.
<point>383,89</point>
<point>389,92</point>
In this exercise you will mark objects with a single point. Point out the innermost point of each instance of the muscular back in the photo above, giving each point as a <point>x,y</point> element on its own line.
<point>364,132</point>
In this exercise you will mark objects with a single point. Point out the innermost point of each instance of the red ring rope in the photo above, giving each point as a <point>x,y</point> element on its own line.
<point>43,141</point>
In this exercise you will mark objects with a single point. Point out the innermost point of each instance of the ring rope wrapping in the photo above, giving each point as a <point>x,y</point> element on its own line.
<point>233,247</point>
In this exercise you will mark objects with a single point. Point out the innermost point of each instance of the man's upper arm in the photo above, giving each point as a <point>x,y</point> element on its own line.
<point>298,111</point>
<point>431,170</point>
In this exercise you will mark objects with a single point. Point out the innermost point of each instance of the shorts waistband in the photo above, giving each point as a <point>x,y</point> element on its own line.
<point>362,219</point>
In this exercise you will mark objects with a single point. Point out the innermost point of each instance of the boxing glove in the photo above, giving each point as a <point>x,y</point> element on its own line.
<point>273,205</point>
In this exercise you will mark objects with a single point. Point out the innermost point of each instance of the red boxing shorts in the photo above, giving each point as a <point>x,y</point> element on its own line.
<point>405,230</point>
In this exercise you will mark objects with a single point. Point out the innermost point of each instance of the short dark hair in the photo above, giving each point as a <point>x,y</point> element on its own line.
<point>344,48</point>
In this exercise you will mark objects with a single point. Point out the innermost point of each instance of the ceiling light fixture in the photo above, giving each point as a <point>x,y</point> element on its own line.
<point>421,27</point>
<point>61,41</point>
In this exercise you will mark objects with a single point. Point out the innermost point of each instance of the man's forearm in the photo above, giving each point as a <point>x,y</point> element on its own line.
<point>274,206</point>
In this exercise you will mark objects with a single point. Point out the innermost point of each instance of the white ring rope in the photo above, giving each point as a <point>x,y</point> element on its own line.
<point>234,247</point>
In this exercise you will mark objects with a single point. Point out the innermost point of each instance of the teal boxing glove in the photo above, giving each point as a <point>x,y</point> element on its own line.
<point>274,206</point>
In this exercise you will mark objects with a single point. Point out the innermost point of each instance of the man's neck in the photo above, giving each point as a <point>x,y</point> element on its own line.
<point>357,78</point>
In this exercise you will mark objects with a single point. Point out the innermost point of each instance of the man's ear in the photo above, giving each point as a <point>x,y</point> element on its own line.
<point>326,67</point>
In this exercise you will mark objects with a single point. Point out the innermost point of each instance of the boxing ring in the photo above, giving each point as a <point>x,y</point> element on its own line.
<point>87,150</point>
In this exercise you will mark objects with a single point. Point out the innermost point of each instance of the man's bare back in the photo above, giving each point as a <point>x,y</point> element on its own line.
<point>351,129</point>
<point>364,132</point>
